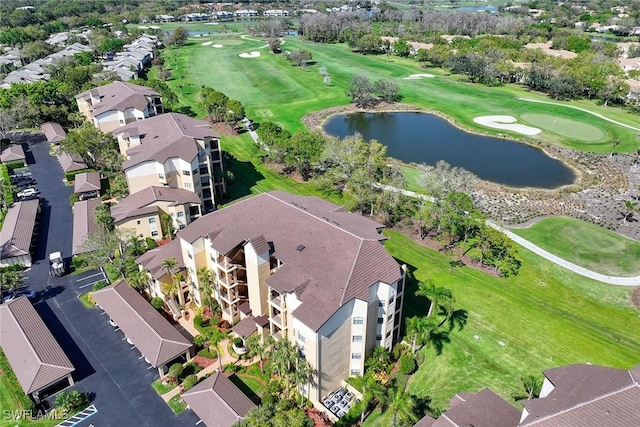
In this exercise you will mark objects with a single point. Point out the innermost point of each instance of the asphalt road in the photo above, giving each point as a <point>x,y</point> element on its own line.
<point>115,374</point>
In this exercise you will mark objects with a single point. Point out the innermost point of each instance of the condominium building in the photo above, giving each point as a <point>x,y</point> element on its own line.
<point>173,150</point>
<point>117,104</point>
<point>320,275</point>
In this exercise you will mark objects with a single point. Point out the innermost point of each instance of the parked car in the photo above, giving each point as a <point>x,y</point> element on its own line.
<point>27,192</point>
<point>26,292</point>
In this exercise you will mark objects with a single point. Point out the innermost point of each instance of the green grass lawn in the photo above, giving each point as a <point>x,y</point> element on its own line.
<point>565,127</point>
<point>161,388</point>
<point>586,244</point>
<point>272,89</point>
<point>545,317</point>
<point>8,403</point>
<point>176,404</point>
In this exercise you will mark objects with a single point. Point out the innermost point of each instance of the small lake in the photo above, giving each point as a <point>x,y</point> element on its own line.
<point>425,138</point>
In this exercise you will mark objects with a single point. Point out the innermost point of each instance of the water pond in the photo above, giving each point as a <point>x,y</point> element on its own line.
<point>424,138</point>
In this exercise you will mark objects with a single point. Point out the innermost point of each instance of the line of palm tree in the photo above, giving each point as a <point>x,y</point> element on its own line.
<point>371,392</point>
<point>207,281</point>
<point>401,405</point>
<point>257,349</point>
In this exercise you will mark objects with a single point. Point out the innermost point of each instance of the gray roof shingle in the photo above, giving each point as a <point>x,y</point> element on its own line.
<point>87,181</point>
<point>119,96</point>
<point>131,205</point>
<point>12,153</point>
<point>218,401</point>
<point>53,132</point>
<point>17,228</point>
<point>158,340</point>
<point>34,354</point>
<point>482,409</point>
<point>84,223</point>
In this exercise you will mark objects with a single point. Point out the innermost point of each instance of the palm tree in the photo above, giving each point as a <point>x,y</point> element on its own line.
<point>167,225</point>
<point>215,337</point>
<point>10,281</point>
<point>379,359</point>
<point>371,391</point>
<point>283,361</point>
<point>171,289</point>
<point>401,405</point>
<point>303,375</point>
<point>422,329</point>
<point>137,245</point>
<point>629,209</point>
<point>258,349</point>
<point>439,297</point>
<point>207,284</point>
<point>258,417</point>
<point>138,280</point>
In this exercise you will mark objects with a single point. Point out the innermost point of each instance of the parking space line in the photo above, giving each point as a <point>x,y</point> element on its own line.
<point>90,284</point>
<point>89,277</point>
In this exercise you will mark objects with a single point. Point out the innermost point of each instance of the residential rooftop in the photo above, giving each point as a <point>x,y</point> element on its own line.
<point>118,96</point>
<point>139,203</point>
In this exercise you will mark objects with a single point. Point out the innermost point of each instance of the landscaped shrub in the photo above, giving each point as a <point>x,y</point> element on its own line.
<point>101,284</point>
<point>191,368</point>
<point>15,388</point>
<point>209,354</point>
<point>175,371</point>
<point>151,244</point>
<point>189,382</point>
<point>12,267</point>
<point>232,369</point>
<point>198,323</point>
<point>71,176</point>
<point>16,164</point>
<point>157,303</point>
<point>398,350</point>
<point>238,342</point>
<point>399,379</point>
<point>79,261</point>
<point>70,401</point>
<point>407,364</point>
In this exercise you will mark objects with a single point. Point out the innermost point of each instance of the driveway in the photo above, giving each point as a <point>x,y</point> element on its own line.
<point>106,366</point>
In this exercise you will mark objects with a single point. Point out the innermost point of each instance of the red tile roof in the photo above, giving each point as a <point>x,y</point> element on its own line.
<point>157,339</point>
<point>218,401</point>
<point>34,354</point>
<point>330,256</point>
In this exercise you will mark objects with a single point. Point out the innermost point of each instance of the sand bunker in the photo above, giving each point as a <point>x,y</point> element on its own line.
<point>506,123</point>
<point>142,27</point>
<point>217,46</point>
<point>418,76</point>
<point>154,27</point>
<point>210,23</point>
<point>253,54</point>
<point>207,43</point>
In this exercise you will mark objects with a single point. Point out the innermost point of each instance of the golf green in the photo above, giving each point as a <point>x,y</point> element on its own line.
<point>571,129</point>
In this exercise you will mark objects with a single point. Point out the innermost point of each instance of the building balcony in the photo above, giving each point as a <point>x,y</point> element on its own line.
<point>276,302</point>
<point>277,321</point>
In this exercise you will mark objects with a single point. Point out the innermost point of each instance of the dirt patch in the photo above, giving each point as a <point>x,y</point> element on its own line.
<point>635,297</point>
<point>224,129</point>
<point>280,169</point>
<point>454,254</point>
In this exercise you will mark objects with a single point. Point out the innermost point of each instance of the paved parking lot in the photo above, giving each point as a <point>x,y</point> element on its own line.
<point>106,366</point>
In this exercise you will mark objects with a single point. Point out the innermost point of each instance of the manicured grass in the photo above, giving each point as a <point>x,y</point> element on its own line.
<point>176,404</point>
<point>586,244</point>
<point>546,317</point>
<point>8,403</point>
<point>7,399</point>
<point>85,300</point>
<point>272,89</point>
<point>565,127</point>
<point>254,383</point>
<point>161,388</point>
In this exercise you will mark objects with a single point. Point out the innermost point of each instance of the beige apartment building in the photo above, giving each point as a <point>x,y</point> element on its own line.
<point>117,104</point>
<point>145,210</point>
<point>173,150</point>
<point>320,275</point>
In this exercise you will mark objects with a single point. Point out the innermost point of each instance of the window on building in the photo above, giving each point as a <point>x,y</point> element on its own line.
<point>380,320</point>
<point>357,338</point>
<point>355,372</point>
<point>187,173</point>
<point>154,233</point>
<point>378,337</point>
<point>391,300</point>
<point>189,255</point>
<point>301,337</point>
<point>180,214</point>
<point>388,334</point>
<point>358,320</point>
<point>380,303</point>
<point>389,317</point>
<point>161,175</point>
<point>152,220</point>
<point>187,185</point>
<point>138,222</point>
<point>356,355</point>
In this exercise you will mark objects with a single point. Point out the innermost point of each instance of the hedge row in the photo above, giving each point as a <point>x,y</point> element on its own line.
<point>16,389</point>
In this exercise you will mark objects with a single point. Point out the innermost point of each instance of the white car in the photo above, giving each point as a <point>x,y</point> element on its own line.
<point>28,192</point>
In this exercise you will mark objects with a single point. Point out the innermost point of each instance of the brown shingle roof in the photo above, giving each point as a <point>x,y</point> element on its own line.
<point>245,327</point>
<point>165,136</point>
<point>53,132</point>
<point>587,395</point>
<point>152,260</point>
<point>12,153</point>
<point>427,421</point>
<point>84,223</point>
<point>158,340</point>
<point>131,205</point>
<point>70,163</point>
<point>218,402</point>
<point>482,409</point>
<point>87,181</point>
<point>330,256</point>
<point>119,96</point>
<point>17,229</point>
<point>35,356</point>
